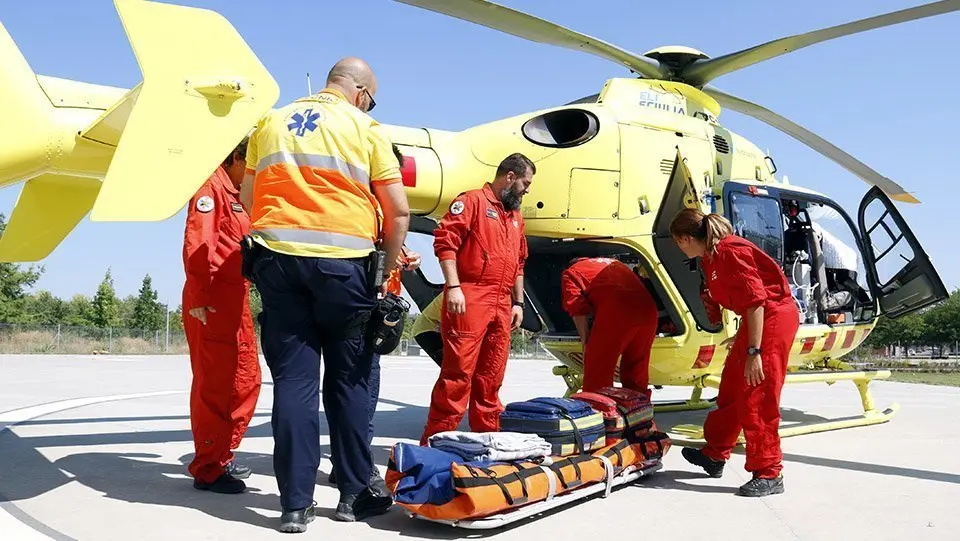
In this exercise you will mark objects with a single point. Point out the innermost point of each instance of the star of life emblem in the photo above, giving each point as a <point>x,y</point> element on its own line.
<point>205,204</point>
<point>456,208</point>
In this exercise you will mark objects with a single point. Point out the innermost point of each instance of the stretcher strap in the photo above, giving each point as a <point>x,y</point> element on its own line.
<point>609,473</point>
<point>523,484</point>
<point>551,482</point>
<point>503,487</point>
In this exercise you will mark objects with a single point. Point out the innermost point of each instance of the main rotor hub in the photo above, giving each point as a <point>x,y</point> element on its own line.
<point>675,57</point>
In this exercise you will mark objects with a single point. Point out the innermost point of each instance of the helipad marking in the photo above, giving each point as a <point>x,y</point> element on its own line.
<point>11,526</point>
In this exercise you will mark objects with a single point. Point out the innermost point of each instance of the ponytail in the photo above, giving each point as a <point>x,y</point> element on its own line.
<point>717,227</point>
<point>707,228</point>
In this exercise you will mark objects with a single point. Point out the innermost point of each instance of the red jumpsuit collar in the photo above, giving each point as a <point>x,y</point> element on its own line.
<point>492,197</point>
<point>223,181</point>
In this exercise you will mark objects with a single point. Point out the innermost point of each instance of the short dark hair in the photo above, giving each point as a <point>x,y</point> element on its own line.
<point>238,153</point>
<point>516,163</point>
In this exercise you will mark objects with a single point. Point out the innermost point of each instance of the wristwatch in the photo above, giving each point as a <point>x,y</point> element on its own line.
<point>751,351</point>
<point>518,303</point>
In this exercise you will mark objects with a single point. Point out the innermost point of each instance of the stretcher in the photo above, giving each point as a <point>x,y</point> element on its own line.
<point>499,520</point>
<point>434,485</point>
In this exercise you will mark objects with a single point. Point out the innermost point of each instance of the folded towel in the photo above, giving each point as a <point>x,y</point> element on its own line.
<point>492,446</point>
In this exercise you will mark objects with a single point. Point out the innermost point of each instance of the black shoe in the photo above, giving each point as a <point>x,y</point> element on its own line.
<point>225,484</point>
<point>296,521</point>
<point>237,470</point>
<point>360,506</point>
<point>714,468</point>
<point>757,487</point>
<point>377,485</point>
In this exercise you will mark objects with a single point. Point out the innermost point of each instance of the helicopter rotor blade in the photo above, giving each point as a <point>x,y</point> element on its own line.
<point>536,29</point>
<point>702,72</point>
<point>813,141</point>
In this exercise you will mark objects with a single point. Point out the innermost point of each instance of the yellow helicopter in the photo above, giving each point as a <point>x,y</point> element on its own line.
<point>613,168</point>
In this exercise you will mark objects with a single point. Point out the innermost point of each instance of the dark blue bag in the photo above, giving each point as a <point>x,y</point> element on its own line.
<point>427,476</point>
<point>570,426</point>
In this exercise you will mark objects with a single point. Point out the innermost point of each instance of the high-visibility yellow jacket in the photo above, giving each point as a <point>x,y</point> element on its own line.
<point>315,162</point>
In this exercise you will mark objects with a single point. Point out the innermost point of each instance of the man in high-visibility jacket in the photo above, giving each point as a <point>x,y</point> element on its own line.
<point>321,177</point>
<point>219,328</point>
<point>482,249</point>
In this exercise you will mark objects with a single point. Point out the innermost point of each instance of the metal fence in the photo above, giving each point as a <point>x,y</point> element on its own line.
<point>73,340</point>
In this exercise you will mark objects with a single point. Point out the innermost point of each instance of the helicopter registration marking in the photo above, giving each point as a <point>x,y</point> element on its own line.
<point>664,101</point>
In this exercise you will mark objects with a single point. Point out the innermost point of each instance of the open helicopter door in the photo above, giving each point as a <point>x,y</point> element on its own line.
<point>899,287</point>
<point>680,193</point>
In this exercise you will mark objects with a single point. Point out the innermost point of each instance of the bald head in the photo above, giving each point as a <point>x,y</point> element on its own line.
<point>354,78</point>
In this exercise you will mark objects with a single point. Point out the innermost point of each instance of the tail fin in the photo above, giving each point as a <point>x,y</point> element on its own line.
<point>49,207</point>
<point>201,94</point>
<point>24,107</point>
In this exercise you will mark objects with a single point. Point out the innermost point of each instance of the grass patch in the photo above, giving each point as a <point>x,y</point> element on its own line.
<point>950,379</point>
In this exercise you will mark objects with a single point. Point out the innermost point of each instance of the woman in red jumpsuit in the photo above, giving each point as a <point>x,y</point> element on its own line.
<point>744,279</point>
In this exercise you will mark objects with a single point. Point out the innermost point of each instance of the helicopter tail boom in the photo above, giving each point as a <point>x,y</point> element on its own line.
<point>25,106</point>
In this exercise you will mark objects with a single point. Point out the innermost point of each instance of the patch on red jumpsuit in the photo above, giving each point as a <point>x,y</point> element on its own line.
<point>456,208</point>
<point>205,204</point>
<point>491,213</point>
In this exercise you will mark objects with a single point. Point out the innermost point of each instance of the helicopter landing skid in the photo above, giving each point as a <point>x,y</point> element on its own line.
<point>831,372</point>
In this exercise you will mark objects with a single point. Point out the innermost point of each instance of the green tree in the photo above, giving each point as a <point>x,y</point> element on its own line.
<point>125,311</point>
<point>14,280</point>
<point>942,322</point>
<point>256,306</point>
<point>43,308</point>
<point>79,311</point>
<point>148,314</point>
<point>106,306</point>
<point>176,320</point>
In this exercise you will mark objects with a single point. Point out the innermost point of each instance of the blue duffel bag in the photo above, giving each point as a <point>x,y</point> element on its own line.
<point>570,426</point>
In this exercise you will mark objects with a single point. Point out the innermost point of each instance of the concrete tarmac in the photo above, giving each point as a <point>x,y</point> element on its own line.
<point>96,448</point>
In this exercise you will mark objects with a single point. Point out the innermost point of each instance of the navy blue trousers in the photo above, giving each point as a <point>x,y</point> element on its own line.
<point>307,303</point>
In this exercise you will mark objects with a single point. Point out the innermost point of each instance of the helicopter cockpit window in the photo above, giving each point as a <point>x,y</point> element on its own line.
<point>759,220</point>
<point>562,128</point>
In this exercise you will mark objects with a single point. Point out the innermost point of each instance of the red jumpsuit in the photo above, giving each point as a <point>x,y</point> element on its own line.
<point>490,249</point>
<point>740,276</point>
<point>223,353</point>
<point>624,323</point>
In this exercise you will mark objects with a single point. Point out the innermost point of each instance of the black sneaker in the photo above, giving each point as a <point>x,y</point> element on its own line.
<point>714,468</point>
<point>296,521</point>
<point>225,484</point>
<point>758,487</point>
<point>237,470</point>
<point>360,506</point>
<point>376,482</point>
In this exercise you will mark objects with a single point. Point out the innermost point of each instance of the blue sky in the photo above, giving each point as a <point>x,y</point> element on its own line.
<point>886,96</point>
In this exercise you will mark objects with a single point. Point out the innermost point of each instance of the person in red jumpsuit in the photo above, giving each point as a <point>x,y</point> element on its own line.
<point>481,246</point>
<point>744,279</point>
<point>624,325</point>
<point>219,328</point>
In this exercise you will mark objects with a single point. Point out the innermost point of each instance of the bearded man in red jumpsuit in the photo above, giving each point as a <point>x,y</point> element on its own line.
<point>219,328</point>
<point>624,321</point>
<point>481,246</point>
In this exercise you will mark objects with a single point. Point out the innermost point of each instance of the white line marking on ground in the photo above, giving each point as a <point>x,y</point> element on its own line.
<point>11,527</point>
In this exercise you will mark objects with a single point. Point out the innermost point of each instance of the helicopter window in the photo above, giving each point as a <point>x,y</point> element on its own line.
<point>759,220</point>
<point>562,128</point>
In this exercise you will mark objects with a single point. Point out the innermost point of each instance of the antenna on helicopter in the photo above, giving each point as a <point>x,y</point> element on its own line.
<point>309,88</point>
